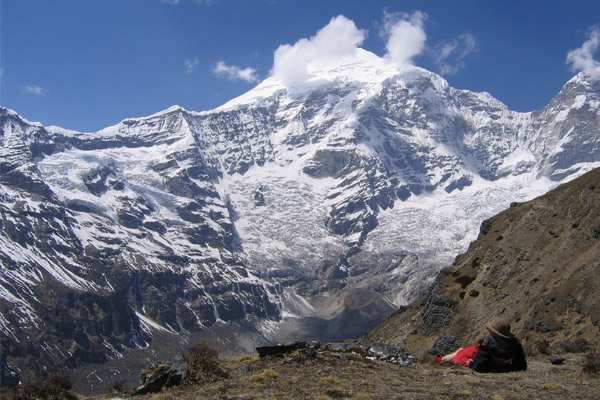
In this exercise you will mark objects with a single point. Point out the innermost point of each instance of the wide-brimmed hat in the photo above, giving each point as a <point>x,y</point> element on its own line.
<point>500,326</point>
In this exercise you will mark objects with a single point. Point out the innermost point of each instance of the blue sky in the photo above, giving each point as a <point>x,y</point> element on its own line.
<point>88,64</point>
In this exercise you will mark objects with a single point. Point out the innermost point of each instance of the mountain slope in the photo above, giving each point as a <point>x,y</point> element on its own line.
<point>536,263</point>
<point>291,210</point>
<point>87,271</point>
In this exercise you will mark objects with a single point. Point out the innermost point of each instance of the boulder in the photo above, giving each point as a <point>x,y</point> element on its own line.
<point>157,377</point>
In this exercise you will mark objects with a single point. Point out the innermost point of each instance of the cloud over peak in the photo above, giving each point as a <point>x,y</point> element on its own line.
<point>336,41</point>
<point>582,58</point>
<point>403,33</point>
<point>405,36</point>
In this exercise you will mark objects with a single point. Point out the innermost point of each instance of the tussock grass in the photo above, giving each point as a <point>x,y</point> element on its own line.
<point>576,345</point>
<point>267,374</point>
<point>330,380</point>
<point>590,362</point>
<point>56,387</point>
<point>203,364</point>
<point>248,358</point>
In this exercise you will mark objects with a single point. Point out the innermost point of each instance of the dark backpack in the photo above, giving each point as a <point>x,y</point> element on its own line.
<point>498,354</point>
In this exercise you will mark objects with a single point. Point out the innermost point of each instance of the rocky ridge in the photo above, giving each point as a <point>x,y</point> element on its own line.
<point>536,263</point>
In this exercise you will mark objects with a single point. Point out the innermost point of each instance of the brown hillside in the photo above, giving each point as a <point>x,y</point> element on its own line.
<point>537,264</point>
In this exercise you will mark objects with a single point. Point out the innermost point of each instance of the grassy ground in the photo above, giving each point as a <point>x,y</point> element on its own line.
<point>329,377</point>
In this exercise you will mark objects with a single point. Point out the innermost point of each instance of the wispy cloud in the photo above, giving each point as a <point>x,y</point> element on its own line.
<point>336,41</point>
<point>582,58</point>
<point>404,35</point>
<point>450,55</point>
<point>190,65</point>
<point>35,90</point>
<point>203,2</point>
<point>234,73</point>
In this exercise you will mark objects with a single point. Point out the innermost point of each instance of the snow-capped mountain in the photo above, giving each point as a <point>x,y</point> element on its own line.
<point>306,210</point>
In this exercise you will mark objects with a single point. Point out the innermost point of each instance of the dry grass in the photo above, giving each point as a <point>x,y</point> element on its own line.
<point>590,362</point>
<point>264,375</point>
<point>330,380</point>
<point>576,345</point>
<point>326,377</point>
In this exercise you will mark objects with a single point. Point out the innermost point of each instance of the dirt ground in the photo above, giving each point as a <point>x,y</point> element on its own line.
<point>330,376</point>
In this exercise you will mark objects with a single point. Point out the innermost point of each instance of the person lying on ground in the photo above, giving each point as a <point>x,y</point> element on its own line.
<point>500,351</point>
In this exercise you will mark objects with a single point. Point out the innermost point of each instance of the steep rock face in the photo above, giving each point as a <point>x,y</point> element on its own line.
<point>537,264</point>
<point>285,207</point>
<point>568,128</point>
<point>89,271</point>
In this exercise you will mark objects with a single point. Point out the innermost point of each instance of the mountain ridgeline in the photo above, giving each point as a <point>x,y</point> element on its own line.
<point>305,212</point>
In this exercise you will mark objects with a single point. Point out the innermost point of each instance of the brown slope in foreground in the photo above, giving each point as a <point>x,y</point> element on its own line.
<point>326,377</point>
<point>537,264</point>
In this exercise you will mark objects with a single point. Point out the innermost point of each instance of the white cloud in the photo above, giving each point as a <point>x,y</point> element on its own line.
<point>235,73</point>
<point>336,41</point>
<point>35,90</point>
<point>404,35</point>
<point>450,55</point>
<point>582,59</point>
<point>190,65</point>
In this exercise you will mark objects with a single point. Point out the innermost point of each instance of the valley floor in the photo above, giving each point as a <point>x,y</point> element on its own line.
<point>328,376</point>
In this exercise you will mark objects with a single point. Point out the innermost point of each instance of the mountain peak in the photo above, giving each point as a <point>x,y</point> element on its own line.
<point>362,68</point>
<point>4,111</point>
<point>171,110</point>
<point>588,77</point>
